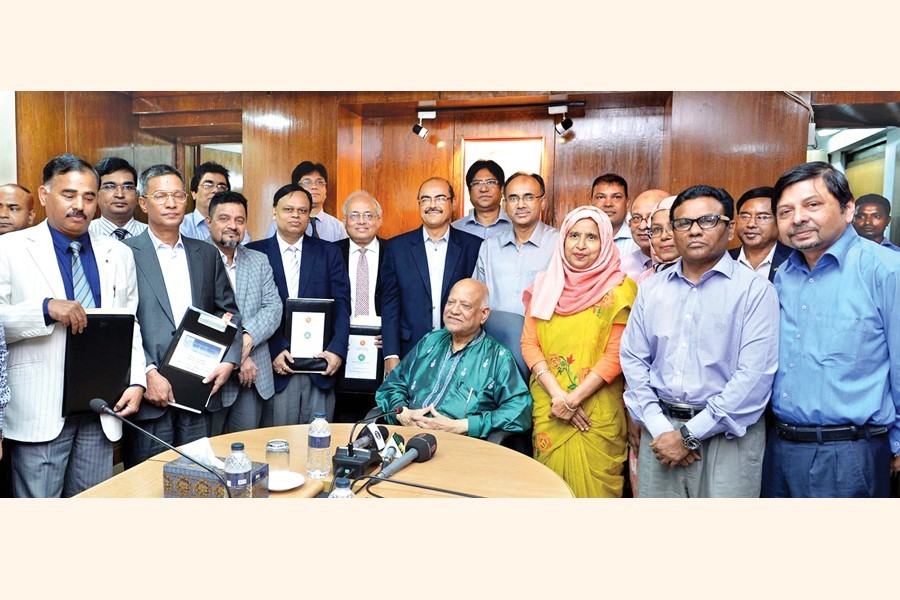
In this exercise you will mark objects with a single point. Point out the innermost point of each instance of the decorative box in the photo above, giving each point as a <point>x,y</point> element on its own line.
<point>184,479</point>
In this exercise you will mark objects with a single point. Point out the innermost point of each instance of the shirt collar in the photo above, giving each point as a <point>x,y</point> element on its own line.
<point>725,266</point>
<point>158,242</point>
<point>837,251</point>
<point>196,217</point>
<point>283,245</point>
<point>372,248</point>
<point>742,256</point>
<point>474,341</point>
<point>62,241</point>
<point>624,231</point>
<point>126,226</point>
<point>470,218</point>
<point>537,236</point>
<point>427,238</point>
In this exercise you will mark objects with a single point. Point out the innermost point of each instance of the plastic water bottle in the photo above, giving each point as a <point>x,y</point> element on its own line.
<point>238,468</point>
<point>318,456</point>
<point>342,489</point>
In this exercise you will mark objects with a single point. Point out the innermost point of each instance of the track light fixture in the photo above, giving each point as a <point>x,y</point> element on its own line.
<point>419,130</point>
<point>564,125</point>
<point>561,109</point>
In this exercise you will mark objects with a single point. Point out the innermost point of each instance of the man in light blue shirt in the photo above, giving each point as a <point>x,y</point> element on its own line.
<point>699,353</point>
<point>117,200</point>
<point>486,219</point>
<point>313,177</point>
<point>873,215</point>
<point>509,262</point>
<point>208,179</point>
<point>836,395</point>
<point>609,193</point>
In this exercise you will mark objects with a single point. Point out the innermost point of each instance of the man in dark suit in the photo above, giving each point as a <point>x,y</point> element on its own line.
<point>760,249</point>
<point>420,267</point>
<point>363,252</point>
<point>304,267</point>
<point>173,273</point>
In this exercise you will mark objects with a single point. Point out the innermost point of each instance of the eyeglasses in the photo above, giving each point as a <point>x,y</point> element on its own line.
<point>657,231</point>
<point>355,216</point>
<point>705,222</point>
<point>637,219</point>
<point>310,183</point>
<point>527,198</point>
<point>180,197</point>
<point>487,182</point>
<point>206,185</point>
<point>112,187</point>
<point>760,219</point>
<point>435,200</point>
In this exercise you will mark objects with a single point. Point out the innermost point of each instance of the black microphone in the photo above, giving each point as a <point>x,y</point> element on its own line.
<point>350,445</point>
<point>419,448</point>
<point>366,438</point>
<point>98,405</point>
<point>393,448</point>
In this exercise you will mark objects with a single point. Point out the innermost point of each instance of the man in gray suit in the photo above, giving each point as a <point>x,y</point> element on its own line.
<point>173,272</point>
<point>238,405</point>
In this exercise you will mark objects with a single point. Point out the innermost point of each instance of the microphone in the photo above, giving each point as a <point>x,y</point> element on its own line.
<point>368,437</point>
<point>394,447</point>
<point>419,448</point>
<point>98,405</point>
<point>350,445</point>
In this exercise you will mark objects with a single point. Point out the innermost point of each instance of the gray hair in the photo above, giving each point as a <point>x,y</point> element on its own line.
<point>157,171</point>
<point>361,194</point>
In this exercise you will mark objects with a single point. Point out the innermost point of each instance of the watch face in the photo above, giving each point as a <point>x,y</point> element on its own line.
<point>692,443</point>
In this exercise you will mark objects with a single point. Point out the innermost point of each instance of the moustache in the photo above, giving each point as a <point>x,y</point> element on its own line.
<point>799,230</point>
<point>76,213</point>
<point>434,210</point>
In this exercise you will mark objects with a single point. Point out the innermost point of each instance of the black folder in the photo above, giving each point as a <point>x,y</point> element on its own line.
<point>325,306</point>
<point>198,329</point>
<point>362,386</point>
<point>98,361</point>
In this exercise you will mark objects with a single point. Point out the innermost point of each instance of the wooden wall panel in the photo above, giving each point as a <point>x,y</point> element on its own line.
<point>279,130</point>
<point>40,135</point>
<point>735,140</point>
<point>623,141</point>
<point>349,150</point>
<point>100,124</point>
<point>395,162</point>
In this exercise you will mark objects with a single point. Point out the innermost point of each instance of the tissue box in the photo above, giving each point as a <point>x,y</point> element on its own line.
<point>184,479</point>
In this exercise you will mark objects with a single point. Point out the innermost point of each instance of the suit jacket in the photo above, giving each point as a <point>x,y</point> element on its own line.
<point>344,246</point>
<point>781,254</point>
<point>257,299</point>
<point>29,273</point>
<point>323,274</point>
<point>406,305</point>
<point>210,291</point>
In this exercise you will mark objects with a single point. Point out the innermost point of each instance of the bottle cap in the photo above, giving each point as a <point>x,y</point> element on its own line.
<point>342,482</point>
<point>319,415</point>
<point>237,447</point>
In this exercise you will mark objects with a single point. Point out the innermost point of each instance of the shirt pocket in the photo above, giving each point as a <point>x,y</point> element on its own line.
<point>716,335</point>
<point>839,337</point>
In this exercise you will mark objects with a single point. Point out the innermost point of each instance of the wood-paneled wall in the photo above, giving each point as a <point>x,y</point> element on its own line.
<point>279,130</point>
<point>91,125</point>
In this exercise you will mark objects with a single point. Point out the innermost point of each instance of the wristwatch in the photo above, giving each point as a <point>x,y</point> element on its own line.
<point>691,442</point>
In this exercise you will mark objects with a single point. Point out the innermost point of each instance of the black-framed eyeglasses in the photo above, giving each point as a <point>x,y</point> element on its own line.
<point>527,198</point>
<point>762,219</point>
<point>705,222</point>
<point>636,219</point>
<point>657,231</point>
<point>487,182</point>
<point>112,187</point>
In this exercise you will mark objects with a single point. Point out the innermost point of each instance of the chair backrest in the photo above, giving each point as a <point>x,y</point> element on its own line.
<point>506,328</point>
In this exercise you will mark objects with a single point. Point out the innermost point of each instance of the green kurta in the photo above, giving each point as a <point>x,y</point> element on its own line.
<point>480,383</point>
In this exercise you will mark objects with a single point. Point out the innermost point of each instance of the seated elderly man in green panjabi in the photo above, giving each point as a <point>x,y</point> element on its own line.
<point>459,378</point>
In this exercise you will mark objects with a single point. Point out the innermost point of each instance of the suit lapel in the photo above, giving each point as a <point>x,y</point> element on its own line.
<point>195,271</point>
<point>40,248</point>
<point>147,262</point>
<point>107,273</point>
<point>242,276</point>
<point>308,258</point>
<point>454,251</point>
<point>418,250</point>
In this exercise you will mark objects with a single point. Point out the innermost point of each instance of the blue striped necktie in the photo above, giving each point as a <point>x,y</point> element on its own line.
<point>80,287</point>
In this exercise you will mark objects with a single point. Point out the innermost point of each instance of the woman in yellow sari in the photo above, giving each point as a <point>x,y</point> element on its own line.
<point>575,314</point>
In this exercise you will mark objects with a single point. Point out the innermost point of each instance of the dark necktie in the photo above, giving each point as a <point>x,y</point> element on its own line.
<point>120,233</point>
<point>313,221</point>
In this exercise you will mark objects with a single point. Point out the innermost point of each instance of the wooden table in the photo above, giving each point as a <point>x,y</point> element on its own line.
<point>460,463</point>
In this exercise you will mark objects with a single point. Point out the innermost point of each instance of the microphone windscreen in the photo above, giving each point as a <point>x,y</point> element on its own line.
<point>98,405</point>
<point>424,443</point>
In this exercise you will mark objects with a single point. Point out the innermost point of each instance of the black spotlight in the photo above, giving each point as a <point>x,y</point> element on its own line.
<point>419,130</point>
<point>563,126</point>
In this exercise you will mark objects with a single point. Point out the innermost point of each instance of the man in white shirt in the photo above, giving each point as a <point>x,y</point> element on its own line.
<point>760,249</point>
<point>117,200</point>
<point>486,219</point>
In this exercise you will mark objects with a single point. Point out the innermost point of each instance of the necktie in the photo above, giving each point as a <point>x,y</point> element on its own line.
<point>81,290</point>
<point>362,284</point>
<point>314,221</point>
<point>294,281</point>
<point>120,233</point>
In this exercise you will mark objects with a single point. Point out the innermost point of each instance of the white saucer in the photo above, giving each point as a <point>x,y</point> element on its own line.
<point>285,480</point>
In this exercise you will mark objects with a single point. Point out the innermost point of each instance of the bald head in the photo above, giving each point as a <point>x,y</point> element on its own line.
<point>642,206</point>
<point>16,208</point>
<point>466,309</point>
